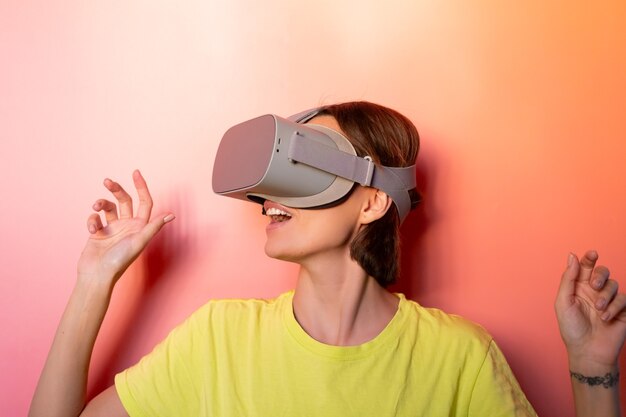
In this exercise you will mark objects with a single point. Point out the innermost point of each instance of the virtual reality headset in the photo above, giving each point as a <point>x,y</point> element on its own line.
<point>301,166</point>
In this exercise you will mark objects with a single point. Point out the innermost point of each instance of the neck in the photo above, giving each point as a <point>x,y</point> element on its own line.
<point>337,303</point>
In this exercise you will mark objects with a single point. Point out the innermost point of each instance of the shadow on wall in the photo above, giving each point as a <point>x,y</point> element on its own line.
<point>413,281</point>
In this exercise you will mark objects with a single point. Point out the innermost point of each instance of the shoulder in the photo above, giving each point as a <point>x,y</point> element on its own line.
<point>235,305</point>
<point>447,331</point>
<point>233,311</point>
<point>224,321</point>
<point>445,324</point>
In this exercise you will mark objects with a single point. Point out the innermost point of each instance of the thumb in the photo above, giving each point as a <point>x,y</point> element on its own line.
<point>567,287</point>
<point>153,227</point>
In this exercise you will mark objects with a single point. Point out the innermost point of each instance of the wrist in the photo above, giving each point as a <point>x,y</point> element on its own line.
<point>607,380</point>
<point>590,366</point>
<point>94,286</point>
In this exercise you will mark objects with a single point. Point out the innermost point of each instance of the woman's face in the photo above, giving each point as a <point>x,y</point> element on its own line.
<point>297,234</point>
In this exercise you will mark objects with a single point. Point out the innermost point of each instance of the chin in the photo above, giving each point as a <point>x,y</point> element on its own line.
<point>281,253</point>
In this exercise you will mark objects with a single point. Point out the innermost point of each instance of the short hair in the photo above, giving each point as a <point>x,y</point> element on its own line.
<point>390,139</point>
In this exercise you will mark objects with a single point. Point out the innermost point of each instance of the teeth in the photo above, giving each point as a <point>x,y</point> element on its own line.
<point>272,211</point>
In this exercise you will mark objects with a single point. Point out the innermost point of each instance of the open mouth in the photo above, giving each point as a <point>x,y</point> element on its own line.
<point>277,215</point>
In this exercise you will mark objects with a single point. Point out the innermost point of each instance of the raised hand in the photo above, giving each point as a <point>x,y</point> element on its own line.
<point>591,313</point>
<point>113,246</point>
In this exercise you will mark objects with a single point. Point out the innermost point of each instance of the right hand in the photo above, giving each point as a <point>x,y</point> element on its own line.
<point>111,248</point>
<point>591,313</point>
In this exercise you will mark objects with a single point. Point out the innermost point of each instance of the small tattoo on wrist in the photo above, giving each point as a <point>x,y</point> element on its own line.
<point>607,381</point>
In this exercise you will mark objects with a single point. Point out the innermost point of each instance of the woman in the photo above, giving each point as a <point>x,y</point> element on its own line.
<point>339,344</point>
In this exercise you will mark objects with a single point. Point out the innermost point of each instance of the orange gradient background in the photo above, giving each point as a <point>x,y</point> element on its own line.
<point>520,105</point>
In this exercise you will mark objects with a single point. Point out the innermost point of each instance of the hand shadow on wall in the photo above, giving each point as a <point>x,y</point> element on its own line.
<point>152,275</point>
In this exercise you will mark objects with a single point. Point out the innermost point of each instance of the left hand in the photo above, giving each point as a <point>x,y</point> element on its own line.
<point>591,313</point>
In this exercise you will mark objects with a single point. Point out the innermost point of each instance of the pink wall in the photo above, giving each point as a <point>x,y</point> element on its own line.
<point>520,106</point>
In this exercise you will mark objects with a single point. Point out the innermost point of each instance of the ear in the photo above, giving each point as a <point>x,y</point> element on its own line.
<point>375,206</point>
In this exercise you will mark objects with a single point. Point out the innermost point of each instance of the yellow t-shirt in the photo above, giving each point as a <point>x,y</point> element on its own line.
<point>252,358</point>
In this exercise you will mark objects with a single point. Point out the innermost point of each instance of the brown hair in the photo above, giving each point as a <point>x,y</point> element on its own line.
<point>390,139</point>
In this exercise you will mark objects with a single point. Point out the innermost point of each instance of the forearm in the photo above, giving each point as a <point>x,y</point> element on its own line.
<point>596,389</point>
<point>62,387</point>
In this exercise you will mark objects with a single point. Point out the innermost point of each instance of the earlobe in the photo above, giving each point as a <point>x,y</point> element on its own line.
<point>376,206</point>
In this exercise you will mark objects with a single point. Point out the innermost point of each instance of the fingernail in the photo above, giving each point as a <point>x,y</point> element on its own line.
<point>570,259</point>
<point>600,303</point>
<point>168,218</point>
<point>92,229</point>
<point>605,316</point>
<point>597,284</point>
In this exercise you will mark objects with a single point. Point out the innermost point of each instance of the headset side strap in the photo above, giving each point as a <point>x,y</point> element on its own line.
<point>395,181</point>
<point>331,160</point>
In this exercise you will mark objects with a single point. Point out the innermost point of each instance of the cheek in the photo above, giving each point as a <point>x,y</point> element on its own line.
<point>330,234</point>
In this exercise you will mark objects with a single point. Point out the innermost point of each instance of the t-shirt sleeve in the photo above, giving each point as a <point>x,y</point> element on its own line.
<point>496,392</point>
<point>165,382</point>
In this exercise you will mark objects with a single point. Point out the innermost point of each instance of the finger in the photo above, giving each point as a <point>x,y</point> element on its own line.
<point>567,287</point>
<point>152,228</point>
<point>587,263</point>
<point>124,200</point>
<point>94,223</point>
<point>600,277</point>
<point>617,308</point>
<point>145,199</point>
<point>606,295</point>
<point>108,207</point>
